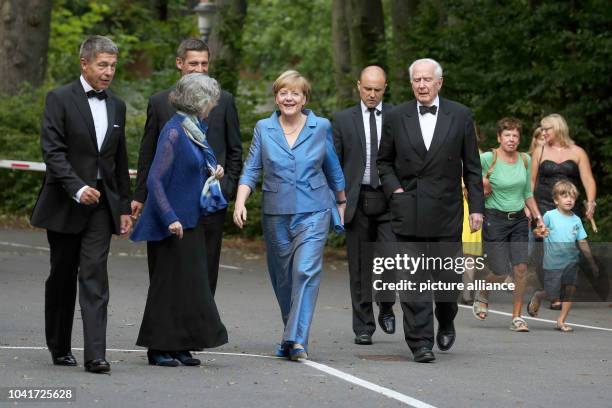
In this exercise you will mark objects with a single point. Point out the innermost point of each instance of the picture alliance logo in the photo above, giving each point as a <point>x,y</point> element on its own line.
<point>411,264</point>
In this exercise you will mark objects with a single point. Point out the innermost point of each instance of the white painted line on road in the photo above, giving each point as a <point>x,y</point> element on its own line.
<point>387,392</point>
<point>122,254</point>
<point>537,319</point>
<point>15,245</point>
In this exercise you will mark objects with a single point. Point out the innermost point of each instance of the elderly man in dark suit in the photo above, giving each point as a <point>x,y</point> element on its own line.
<point>428,144</point>
<point>357,133</point>
<point>224,138</point>
<point>83,201</point>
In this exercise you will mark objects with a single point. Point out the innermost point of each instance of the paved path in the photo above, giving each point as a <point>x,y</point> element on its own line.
<point>488,366</point>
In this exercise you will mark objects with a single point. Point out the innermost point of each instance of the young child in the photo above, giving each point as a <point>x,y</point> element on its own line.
<point>563,230</point>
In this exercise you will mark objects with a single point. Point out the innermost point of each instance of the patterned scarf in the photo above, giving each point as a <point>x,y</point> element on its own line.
<point>211,198</point>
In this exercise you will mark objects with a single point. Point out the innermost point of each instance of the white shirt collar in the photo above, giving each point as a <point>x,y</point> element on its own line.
<point>435,102</point>
<point>85,84</point>
<point>365,109</point>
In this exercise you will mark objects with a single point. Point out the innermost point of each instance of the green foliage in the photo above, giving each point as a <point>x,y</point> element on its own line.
<point>142,49</point>
<point>521,58</point>
<point>528,59</point>
<point>281,35</point>
<point>19,127</point>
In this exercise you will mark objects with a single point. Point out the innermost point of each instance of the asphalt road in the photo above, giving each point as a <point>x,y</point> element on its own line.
<point>488,366</point>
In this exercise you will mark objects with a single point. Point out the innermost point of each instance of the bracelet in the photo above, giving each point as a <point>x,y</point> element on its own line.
<point>340,202</point>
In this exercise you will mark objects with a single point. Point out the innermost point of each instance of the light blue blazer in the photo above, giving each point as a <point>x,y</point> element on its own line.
<point>298,179</point>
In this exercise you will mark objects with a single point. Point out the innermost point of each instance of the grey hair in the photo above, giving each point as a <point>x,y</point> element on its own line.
<point>97,44</point>
<point>193,93</point>
<point>437,67</point>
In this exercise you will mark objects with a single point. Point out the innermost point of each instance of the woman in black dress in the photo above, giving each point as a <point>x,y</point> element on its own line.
<point>560,159</point>
<point>181,314</point>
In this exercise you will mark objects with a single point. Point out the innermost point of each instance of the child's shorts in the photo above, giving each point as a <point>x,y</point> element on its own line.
<point>554,278</point>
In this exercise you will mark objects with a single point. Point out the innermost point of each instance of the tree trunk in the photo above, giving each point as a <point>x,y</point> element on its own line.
<point>403,14</point>
<point>24,36</point>
<point>226,42</point>
<point>343,77</point>
<point>366,28</point>
<point>160,7</point>
<point>358,32</point>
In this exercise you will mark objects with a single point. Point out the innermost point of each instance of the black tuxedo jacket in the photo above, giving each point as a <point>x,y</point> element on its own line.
<point>432,202</point>
<point>70,151</point>
<point>223,136</point>
<point>349,139</point>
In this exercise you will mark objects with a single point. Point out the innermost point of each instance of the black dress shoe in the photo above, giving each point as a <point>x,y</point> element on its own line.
<point>98,365</point>
<point>185,358</point>
<point>387,322</point>
<point>161,358</point>
<point>363,339</point>
<point>65,360</point>
<point>423,355</point>
<point>446,338</point>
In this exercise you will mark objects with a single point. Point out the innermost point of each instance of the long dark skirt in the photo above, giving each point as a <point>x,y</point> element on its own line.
<point>181,313</point>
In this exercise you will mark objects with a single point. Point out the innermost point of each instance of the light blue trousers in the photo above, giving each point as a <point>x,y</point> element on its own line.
<point>294,246</point>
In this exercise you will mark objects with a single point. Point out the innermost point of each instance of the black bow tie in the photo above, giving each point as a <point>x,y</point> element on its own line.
<point>378,112</point>
<point>95,94</point>
<point>431,109</point>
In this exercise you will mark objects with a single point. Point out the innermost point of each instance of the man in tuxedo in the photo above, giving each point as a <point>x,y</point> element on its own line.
<point>357,133</point>
<point>83,201</point>
<point>223,136</point>
<point>426,147</point>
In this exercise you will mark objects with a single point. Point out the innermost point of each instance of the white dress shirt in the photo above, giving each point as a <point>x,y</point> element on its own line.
<point>100,118</point>
<point>428,122</point>
<point>365,114</point>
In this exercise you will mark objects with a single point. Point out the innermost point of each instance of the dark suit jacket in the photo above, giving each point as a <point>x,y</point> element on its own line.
<point>70,151</point>
<point>432,204</point>
<point>349,139</point>
<point>223,136</point>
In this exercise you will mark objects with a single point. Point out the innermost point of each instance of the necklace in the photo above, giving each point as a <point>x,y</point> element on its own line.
<point>289,132</point>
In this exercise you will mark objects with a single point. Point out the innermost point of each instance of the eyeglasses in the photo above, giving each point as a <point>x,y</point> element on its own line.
<point>286,94</point>
<point>546,129</point>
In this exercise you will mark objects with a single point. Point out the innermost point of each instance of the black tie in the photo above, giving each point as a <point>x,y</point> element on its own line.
<point>373,148</point>
<point>95,94</point>
<point>431,109</point>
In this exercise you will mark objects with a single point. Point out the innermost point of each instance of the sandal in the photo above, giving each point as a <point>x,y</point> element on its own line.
<point>519,325</point>
<point>480,307</point>
<point>533,306</point>
<point>555,305</point>
<point>298,352</point>
<point>564,328</point>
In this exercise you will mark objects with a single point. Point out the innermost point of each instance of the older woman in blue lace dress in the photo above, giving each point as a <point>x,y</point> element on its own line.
<point>181,314</point>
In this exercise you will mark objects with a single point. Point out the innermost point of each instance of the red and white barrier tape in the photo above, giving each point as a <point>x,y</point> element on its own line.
<point>34,166</point>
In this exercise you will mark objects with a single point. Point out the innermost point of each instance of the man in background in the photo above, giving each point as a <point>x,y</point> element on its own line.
<point>223,136</point>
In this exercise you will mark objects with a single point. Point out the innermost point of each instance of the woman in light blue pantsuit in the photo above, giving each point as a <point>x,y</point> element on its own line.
<point>295,151</point>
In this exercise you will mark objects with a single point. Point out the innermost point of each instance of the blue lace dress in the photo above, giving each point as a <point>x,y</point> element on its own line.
<point>180,312</point>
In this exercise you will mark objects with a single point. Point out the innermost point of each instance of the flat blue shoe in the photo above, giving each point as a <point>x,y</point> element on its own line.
<point>297,353</point>
<point>282,351</point>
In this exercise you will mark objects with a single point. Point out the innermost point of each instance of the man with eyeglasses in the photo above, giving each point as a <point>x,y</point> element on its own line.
<point>427,145</point>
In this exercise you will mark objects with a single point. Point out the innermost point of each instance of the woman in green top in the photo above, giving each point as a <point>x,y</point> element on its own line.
<point>507,183</point>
